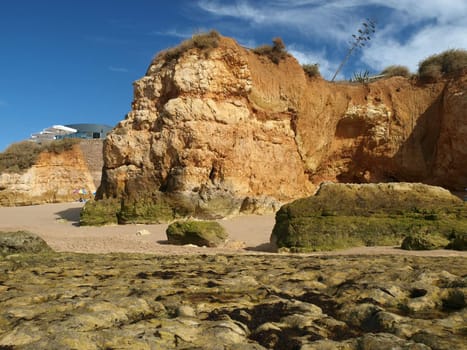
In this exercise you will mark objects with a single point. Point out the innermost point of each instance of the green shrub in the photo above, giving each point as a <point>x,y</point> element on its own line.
<point>312,70</point>
<point>393,71</point>
<point>275,53</point>
<point>201,41</point>
<point>447,62</point>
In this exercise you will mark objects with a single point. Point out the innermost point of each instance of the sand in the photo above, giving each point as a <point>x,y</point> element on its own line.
<point>58,225</point>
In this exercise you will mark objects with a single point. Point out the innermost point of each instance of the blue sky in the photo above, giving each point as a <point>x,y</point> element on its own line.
<point>74,61</point>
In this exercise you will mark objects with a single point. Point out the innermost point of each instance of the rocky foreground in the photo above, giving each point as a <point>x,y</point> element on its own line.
<point>76,301</point>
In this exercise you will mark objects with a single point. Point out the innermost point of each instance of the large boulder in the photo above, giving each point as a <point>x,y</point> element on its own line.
<point>458,241</point>
<point>22,242</point>
<point>424,242</point>
<point>200,233</point>
<point>203,119</point>
<point>347,215</point>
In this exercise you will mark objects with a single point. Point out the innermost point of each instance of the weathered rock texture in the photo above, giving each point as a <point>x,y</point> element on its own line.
<point>200,233</point>
<point>349,215</point>
<point>55,177</point>
<point>92,152</point>
<point>230,131</point>
<point>22,242</point>
<point>232,302</point>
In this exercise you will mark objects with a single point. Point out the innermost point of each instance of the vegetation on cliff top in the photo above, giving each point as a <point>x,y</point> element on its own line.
<point>202,41</point>
<point>431,69</point>
<point>275,52</point>
<point>312,70</point>
<point>20,156</point>
<point>448,62</point>
<point>396,70</point>
<point>359,40</point>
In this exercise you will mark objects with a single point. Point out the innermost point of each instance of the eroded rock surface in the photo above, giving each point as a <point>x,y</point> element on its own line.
<point>228,131</point>
<point>232,302</point>
<point>350,215</point>
<point>22,242</point>
<point>55,177</point>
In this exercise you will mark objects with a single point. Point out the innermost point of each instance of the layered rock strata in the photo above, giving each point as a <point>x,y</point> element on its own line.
<point>229,131</point>
<point>55,177</point>
<point>74,301</point>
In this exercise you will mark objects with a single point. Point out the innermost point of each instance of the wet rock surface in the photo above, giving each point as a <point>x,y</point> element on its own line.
<point>77,301</point>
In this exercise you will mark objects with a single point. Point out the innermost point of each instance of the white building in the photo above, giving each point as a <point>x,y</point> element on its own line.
<point>52,133</point>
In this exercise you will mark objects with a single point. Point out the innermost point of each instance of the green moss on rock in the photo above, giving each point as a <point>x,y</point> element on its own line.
<point>458,241</point>
<point>98,213</point>
<point>154,208</point>
<point>200,233</point>
<point>22,242</point>
<point>424,242</point>
<point>347,215</point>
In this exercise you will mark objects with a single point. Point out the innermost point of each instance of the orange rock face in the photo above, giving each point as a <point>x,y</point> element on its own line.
<point>229,123</point>
<point>54,178</point>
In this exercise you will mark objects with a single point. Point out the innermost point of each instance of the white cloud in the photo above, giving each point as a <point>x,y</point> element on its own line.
<point>427,41</point>
<point>407,31</point>
<point>321,19</point>
<point>443,12</point>
<point>174,33</point>
<point>118,69</point>
<point>326,67</point>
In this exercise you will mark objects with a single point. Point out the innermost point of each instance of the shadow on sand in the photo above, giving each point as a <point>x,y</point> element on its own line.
<point>264,247</point>
<point>71,215</point>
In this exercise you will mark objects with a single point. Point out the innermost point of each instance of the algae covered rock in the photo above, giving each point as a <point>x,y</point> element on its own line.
<point>200,233</point>
<point>21,242</point>
<point>98,213</point>
<point>424,242</point>
<point>347,215</point>
<point>458,241</point>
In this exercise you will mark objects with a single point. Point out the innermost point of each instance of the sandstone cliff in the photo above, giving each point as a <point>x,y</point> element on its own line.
<point>227,130</point>
<point>55,177</point>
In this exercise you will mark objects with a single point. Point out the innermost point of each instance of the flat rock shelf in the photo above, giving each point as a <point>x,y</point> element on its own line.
<point>136,301</point>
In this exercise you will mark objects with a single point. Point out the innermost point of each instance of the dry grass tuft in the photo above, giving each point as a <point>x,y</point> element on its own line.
<point>396,71</point>
<point>201,41</point>
<point>447,62</point>
<point>275,53</point>
<point>312,70</point>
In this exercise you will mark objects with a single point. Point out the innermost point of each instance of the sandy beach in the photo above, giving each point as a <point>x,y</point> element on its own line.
<point>58,225</point>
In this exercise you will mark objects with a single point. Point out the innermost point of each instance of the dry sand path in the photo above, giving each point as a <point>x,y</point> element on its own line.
<point>58,225</point>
